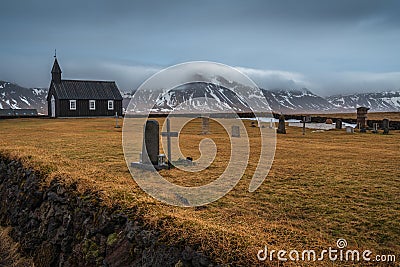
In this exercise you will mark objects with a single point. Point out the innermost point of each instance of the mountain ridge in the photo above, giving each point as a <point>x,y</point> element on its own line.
<point>18,97</point>
<point>279,100</point>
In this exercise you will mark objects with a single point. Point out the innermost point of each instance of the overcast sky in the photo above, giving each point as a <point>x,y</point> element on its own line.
<point>330,47</point>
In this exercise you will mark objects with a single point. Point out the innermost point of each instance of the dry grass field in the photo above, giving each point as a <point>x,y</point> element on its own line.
<point>322,186</point>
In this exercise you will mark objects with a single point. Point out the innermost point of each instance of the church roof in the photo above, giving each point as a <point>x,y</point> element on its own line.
<point>82,89</point>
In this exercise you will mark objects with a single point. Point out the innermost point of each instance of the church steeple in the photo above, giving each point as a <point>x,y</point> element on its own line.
<point>56,71</point>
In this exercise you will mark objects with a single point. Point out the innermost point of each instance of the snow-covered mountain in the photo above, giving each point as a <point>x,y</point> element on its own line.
<point>279,100</point>
<point>289,101</point>
<point>383,101</point>
<point>17,97</point>
<point>205,95</point>
<point>195,95</point>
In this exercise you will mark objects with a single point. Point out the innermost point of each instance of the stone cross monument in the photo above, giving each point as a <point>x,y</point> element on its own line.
<point>362,118</point>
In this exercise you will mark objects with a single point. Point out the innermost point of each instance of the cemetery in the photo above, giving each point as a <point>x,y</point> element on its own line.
<point>300,204</point>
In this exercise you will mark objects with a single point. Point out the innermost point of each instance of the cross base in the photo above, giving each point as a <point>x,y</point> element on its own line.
<point>148,167</point>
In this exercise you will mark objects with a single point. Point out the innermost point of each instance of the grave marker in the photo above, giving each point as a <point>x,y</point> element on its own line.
<point>375,128</point>
<point>338,124</point>
<point>385,126</point>
<point>235,131</point>
<point>349,129</point>
<point>116,120</point>
<point>362,118</point>
<point>151,142</point>
<point>150,158</point>
<point>281,126</point>
<point>205,125</point>
<point>169,134</point>
<point>271,124</point>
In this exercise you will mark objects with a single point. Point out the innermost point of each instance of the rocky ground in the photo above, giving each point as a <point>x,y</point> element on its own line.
<point>58,227</point>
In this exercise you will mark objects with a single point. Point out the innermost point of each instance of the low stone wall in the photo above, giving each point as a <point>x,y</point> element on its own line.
<point>394,125</point>
<point>59,227</point>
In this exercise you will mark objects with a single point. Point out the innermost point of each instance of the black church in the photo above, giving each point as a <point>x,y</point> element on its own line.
<point>81,98</point>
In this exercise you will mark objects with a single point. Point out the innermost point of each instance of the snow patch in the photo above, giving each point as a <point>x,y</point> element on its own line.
<point>395,101</point>
<point>37,91</point>
<point>13,105</point>
<point>23,99</point>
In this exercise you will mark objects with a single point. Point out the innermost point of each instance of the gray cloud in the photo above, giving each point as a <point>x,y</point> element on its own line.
<point>276,79</point>
<point>350,82</point>
<point>319,41</point>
